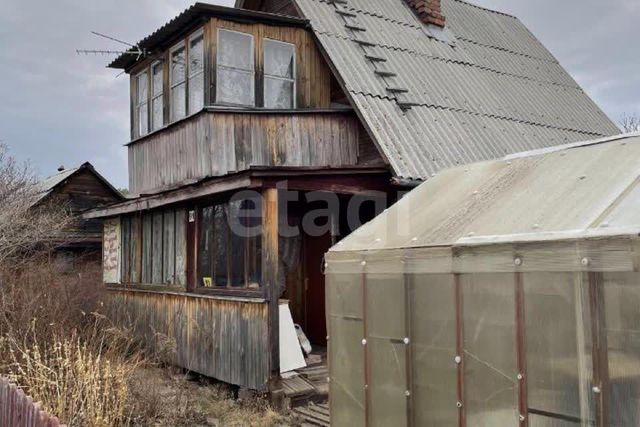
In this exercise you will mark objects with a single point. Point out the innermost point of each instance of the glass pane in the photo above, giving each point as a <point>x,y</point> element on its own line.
<point>235,87</point>
<point>178,101</point>
<point>278,93</point>
<point>196,93</point>
<point>279,59</point>
<point>433,328</point>
<point>221,236</point>
<point>622,319</point>
<point>235,50</point>
<point>157,79</point>
<point>206,247</point>
<point>558,352</point>
<point>237,248</point>
<point>178,66</point>
<point>490,350</point>
<point>251,220</point>
<point>196,55</point>
<point>143,119</point>
<point>143,87</point>
<point>157,118</point>
<point>147,236</point>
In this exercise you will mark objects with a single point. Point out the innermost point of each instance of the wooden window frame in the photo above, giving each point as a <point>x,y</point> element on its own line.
<point>155,97</point>
<point>189,75</point>
<point>180,45</point>
<point>293,79</point>
<point>252,72</point>
<point>140,103</point>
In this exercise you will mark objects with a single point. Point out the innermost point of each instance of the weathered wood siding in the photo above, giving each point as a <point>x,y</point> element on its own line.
<point>216,143</point>
<point>221,338</point>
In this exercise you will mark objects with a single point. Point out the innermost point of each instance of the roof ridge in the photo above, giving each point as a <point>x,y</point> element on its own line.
<point>493,116</point>
<point>468,3</point>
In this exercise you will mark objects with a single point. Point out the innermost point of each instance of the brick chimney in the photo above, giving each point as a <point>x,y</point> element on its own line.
<point>428,11</point>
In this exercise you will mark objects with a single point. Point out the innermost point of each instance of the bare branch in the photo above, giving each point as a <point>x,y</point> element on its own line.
<point>630,123</point>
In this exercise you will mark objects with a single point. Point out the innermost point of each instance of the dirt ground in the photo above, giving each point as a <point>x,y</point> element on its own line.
<point>170,397</point>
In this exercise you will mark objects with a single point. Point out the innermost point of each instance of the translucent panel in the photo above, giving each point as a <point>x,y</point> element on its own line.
<point>559,367</point>
<point>235,50</point>
<point>196,55</point>
<point>433,337</point>
<point>178,102</point>
<point>627,211</point>
<point>490,350</point>
<point>622,319</point>
<point>386,320</point>
<point>142,85</point>
<point>157,118</point>
<point>279,59</point>
<point>196,93</point>
<point>388,381</point>
<point>278,93</point>
<point>235,87</point>
<point>178,66</point>
<point>143,119</point>
<point>344,295</point>
<point>156,71</point>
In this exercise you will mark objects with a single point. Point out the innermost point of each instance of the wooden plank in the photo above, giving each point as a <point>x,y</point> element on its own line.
<point>156,249</point>
<point>169,245</point>
<point>270,272</point>
<point>181,248</point>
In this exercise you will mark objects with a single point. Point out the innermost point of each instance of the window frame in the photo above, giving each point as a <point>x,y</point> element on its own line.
<point>251,72</point>
<point>189,75</point>
<point>180,45</point>
<point>266,76</point>
<point>153,97</point>
<point>139,104</point>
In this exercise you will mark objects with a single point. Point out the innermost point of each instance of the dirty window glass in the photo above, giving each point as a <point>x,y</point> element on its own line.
<point>178,83</point>
<point>157,103</point>
<point>235,68</point>
<point>279,74</point>
<point>142,104</point>
<point>196,73</point>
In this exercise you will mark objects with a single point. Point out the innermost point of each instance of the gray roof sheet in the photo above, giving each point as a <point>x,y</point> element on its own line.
<point>495,89</point>
<point>577,190</point>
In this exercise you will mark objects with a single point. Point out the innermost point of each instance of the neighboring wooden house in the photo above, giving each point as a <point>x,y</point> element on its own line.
<point>353,100</point>
<point>78,189</point>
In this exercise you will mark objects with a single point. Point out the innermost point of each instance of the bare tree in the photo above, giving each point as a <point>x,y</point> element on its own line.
<point>26,227</point>
<point>630,123</point>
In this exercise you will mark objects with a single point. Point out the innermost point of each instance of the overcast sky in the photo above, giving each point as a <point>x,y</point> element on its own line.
<point>60,108</point>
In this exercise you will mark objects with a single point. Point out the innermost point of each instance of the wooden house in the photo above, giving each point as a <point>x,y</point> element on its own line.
<point>79,189</point>
<point>266,116</point>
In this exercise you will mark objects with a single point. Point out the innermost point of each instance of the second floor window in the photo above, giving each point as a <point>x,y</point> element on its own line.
<point>157,103</point>
<point>235,74</point>
<point>142,105</point>
<point>279,74</point>
<point>178,80</point>
<point>196,72</point>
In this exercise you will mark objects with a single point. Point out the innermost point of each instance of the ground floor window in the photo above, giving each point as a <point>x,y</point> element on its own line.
<point>230,244</point>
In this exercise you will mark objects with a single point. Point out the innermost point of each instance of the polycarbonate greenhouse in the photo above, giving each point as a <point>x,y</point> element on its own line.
<point>504,293</point>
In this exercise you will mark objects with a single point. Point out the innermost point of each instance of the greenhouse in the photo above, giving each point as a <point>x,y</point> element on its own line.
<point>503,293</point>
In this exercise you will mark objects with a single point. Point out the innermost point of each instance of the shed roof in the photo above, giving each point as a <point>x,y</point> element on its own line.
<point>484,88</point>
<point>578,190</point>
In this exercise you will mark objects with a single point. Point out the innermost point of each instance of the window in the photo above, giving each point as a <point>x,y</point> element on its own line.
<point>235,68</point>
<point>279,74</point>
<point>229,244</point>
<point>157,103</point>
<point>142,104</point>
<point>177,71</point>
<point>196,72</point>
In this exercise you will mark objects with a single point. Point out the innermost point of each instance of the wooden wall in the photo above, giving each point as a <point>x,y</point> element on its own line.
<point>217,143</point>
<point>222,338</point>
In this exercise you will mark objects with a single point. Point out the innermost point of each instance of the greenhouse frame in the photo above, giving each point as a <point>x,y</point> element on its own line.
<point>503,293</point>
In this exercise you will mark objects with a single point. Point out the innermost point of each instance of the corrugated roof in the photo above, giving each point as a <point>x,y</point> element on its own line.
<point>579,189</point>
<point>494,89</point>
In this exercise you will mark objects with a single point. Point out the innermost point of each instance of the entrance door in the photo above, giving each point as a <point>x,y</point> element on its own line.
<point>314,295</point>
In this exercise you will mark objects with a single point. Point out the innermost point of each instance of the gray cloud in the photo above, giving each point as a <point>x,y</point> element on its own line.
<point>61,108</point>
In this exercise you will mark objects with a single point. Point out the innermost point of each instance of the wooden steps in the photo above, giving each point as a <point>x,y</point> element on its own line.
<point>314,414</point>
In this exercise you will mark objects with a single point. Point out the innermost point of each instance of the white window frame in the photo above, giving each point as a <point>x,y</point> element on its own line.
<point>140,103</point>
<point>155,126</point>
<point>295,71</point>
<point>252,71</point>
<point>189,75</point>
<point>172,85</point>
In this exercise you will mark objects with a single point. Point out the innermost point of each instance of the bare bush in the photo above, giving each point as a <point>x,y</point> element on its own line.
<point>630,123</point>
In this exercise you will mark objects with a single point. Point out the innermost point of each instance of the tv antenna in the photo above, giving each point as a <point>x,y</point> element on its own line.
<point>134,49</point>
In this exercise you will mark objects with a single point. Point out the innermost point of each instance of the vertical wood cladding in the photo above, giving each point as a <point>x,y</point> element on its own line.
<point>213,144</point>
<point>222,338</point>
